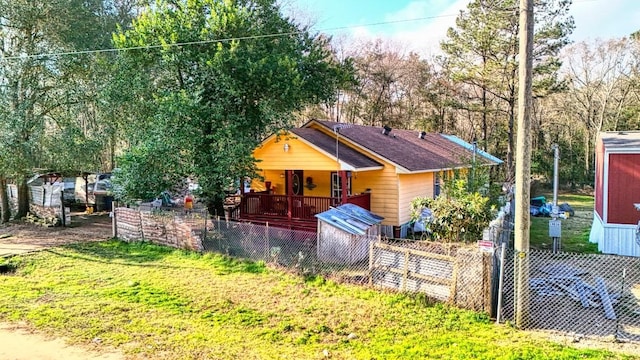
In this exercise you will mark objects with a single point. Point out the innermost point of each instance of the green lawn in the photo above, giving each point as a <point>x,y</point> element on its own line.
<point>168,304</point>
<point>575,229</point>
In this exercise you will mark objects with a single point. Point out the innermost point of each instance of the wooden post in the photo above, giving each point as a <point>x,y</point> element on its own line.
<point>453,290</point>
<point>487,262</point>
<point>267,249</point>
<point>523,165</point>
<point>206,217</point>
<point>62,213</point>
<point>289,194</point>
<point>405,275</point>
<point>114,219</point>
<point>219,229</point>
<point>372,244</point>
<point>344,189</point>
<point>141,224</point>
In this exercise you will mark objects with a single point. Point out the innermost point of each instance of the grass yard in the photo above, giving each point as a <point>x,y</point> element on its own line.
<point>160,303</point>
<point>575,229</point>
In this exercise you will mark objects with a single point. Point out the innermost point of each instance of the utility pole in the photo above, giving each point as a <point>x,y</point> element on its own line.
<point>523,164</point>
<point>555,226</point>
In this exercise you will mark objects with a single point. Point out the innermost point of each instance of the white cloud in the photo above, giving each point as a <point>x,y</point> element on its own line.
<point>605,19</point>
<point>593,19</point>
<point>426,37</point>
<point>423,35</point>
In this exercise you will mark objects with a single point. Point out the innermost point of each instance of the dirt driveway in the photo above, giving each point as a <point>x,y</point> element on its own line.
<point>20,344</point>
<point>21,238</point>
<point>17,341</point>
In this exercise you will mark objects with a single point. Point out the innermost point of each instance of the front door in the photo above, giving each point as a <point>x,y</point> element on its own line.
<point>297,183</point>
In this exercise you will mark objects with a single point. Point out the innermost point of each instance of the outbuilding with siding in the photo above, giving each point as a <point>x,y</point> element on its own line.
<point>617,193</point>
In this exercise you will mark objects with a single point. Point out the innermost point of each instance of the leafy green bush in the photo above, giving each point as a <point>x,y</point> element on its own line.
<point>458,216</point>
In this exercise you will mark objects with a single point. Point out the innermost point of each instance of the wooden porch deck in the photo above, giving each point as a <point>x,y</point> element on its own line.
<point>291,211</point>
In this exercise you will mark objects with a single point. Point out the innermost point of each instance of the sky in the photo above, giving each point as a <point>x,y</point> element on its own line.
<point>361,19</point>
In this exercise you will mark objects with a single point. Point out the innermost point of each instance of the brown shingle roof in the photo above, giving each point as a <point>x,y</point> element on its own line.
<point>405,148</point>
<point>327,143</point>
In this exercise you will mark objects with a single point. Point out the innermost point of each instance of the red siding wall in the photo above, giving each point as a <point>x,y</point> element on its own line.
<point>599,183</point>
<point>624,188</point>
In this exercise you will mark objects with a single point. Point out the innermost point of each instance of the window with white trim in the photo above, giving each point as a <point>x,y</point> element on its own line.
<point>336,185</point>
<point>436,185</point>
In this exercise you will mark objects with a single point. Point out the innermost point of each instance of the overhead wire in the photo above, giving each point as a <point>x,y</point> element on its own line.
<point>223,40</point>
<point>237,38</point>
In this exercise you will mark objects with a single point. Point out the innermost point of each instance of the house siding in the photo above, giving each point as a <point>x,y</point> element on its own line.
<point>410,187</point>
<point>300,155</point>
<point>617,239</point>
<point>384,191</point>
<point>383,184</point>
<point>623,189</point>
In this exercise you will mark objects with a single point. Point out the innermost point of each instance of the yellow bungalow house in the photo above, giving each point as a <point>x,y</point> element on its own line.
<point>325,163</point>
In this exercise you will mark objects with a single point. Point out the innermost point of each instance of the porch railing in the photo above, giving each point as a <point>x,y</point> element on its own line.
<point>302,207</point>
<point>362,200</point>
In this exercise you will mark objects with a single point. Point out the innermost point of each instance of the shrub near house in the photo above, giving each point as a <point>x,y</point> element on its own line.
<point>457,215</point>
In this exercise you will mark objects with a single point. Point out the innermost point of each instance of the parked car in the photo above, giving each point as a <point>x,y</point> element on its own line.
<point>69,191</point>
<point>99,192</point>
<point>101,187</point>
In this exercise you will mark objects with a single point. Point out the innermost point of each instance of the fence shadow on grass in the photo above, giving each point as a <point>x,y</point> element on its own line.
<point>143,254</point>
<point>137,253</point>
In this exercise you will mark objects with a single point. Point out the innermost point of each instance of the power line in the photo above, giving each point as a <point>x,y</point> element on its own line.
<point>223,40</point>
<point>239,38</point>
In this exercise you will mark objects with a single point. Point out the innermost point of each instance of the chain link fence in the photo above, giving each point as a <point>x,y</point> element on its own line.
<point>295,250</point>
<point>582,295</point>
<point>455,274</point>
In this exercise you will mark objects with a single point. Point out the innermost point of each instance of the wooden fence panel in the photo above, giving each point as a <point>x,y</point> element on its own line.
<point>461,279</point>
<point>412,270</point>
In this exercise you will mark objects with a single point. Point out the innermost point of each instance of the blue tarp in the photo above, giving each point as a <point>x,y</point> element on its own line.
<point>350,218</point>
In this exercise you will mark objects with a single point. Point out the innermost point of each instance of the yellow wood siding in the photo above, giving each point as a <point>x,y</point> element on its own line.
<point>410,187</point>
<point>322,180</point>
<point>391,193</point>
<point>384,191</point>
<point>299,156</point>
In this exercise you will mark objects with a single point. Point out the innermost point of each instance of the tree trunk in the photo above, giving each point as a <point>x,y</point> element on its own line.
<point>5,208</point>
<point>587,151</point>
<point>23,199</point>
<point>511,140</point>
<point>215,206</point>
<point>485,126</point>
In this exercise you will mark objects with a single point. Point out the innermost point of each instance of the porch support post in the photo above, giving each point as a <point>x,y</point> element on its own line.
<point>343,181</point>
<point>289,175</point>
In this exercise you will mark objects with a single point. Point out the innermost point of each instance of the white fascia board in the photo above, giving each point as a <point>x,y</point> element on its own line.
<point>431,170</point>
<point>372,168</point>
<point>622,150</point>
